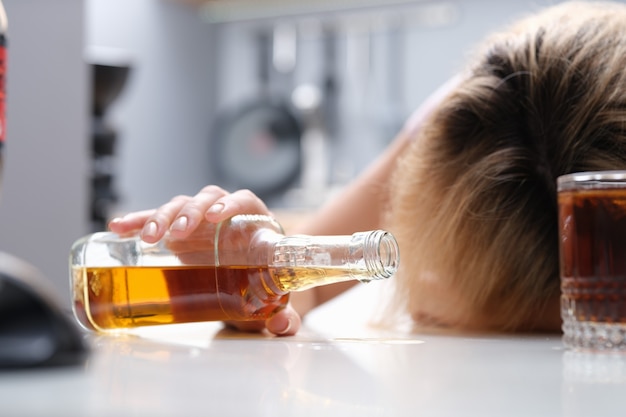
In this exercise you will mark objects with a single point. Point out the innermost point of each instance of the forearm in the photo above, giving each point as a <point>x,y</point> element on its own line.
<point>360,206</point>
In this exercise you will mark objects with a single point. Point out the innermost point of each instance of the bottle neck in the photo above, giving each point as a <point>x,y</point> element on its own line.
<point>310,261</point>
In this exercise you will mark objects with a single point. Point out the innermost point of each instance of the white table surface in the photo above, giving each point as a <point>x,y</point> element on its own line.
<point>336,366</point>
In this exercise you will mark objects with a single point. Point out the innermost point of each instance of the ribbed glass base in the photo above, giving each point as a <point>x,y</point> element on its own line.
<point>586,335</point>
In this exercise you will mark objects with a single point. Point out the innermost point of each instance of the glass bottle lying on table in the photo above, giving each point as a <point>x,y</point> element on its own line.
<point>241,269</point>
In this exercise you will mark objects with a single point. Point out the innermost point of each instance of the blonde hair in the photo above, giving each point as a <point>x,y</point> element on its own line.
<point>473,203</point>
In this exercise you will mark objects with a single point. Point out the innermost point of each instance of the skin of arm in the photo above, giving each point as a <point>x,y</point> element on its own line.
<point>358,207</point>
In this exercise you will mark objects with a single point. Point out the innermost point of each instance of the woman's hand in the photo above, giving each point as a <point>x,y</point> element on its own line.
<point>182,215</point>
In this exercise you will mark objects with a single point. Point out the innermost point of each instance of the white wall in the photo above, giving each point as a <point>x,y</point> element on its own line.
<point>44,204</point>
<point>164,114</point>
<point>43,207</point>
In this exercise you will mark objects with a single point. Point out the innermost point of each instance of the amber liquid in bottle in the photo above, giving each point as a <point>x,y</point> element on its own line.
<point>128,297</point>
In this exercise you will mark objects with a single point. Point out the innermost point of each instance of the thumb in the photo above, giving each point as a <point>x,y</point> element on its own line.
<point>284,323</point>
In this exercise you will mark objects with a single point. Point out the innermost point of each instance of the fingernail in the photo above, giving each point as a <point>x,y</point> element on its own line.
<point>286,329</point>
<point>180,224</point>
<point>149,230</point>
<point>216,208</point>
<point>115,220</point>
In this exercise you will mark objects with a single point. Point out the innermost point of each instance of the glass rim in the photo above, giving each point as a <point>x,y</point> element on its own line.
<point>592,179</point>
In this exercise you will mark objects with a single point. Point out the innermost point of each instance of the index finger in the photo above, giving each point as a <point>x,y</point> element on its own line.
<point>238,202</point>
<point>130,222</point>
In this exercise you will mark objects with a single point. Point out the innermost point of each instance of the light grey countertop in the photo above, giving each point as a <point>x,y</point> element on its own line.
<point>336,366</point>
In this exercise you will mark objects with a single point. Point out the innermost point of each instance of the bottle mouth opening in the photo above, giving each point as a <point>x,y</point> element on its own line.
<point>383,256</point>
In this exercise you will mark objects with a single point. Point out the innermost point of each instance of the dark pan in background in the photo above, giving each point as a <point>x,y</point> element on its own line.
<point>257,144</point>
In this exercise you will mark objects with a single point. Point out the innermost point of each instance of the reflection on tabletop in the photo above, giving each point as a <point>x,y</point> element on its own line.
<point>336,366</point>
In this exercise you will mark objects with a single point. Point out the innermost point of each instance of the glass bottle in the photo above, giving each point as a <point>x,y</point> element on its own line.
<point>241,269</point>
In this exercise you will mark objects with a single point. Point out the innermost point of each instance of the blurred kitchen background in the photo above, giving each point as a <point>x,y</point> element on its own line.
<point>118,105</point>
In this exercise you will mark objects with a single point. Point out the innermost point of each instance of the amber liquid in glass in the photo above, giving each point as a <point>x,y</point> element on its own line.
<point>127,297</point>
<point>593,254</point>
